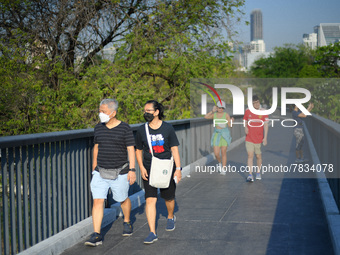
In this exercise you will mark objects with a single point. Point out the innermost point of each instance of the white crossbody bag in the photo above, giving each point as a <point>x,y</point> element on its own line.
<point>161,169</point>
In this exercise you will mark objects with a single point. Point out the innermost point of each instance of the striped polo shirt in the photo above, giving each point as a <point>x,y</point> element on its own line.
<point>112,145</point>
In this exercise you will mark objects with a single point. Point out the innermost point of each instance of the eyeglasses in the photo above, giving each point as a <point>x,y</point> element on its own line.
<point>148,110</point>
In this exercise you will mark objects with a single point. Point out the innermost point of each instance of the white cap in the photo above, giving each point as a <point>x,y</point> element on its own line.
<point>219,104</point>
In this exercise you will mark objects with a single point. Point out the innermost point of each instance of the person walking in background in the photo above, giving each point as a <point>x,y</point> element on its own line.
<point>221,138</point>
<point>164,144</point>
<point>113,146</point>
<point>298,132</point>
<point>256,129</point>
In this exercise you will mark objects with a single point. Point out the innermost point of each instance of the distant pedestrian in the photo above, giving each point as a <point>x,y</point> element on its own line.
<point>113,146</point>
<point>164,144</point>
<point>298,132</point>
<point>221,138</point>
<point>256,130</point>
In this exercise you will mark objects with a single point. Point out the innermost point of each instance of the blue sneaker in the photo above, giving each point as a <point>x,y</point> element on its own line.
<point>127,229</point>
<point>258,176</point>
<point>250,178</point>
<point>170,224</point>
<point>151,238</point>
<point>95,240</point>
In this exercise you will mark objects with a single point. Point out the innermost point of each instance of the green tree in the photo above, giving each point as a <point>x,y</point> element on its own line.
<point>300,62</point>
<point>50,50</point>
<point>327,60</point>
<point>285,62</point>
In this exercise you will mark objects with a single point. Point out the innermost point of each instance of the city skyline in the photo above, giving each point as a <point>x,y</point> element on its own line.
<point>285,21</point>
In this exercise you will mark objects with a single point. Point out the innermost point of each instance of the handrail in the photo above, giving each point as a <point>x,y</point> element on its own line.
<point>325,135</point>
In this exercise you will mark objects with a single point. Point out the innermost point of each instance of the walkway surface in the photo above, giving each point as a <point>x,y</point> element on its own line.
<point>280,214</point>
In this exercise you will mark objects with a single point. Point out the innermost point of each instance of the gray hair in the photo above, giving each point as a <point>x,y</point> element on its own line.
<point>112,104</point>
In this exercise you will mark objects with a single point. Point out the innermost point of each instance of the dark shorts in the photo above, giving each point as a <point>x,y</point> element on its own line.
<point>166,194</point>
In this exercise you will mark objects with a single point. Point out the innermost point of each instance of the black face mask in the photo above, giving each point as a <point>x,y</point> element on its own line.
<point>148,117</point>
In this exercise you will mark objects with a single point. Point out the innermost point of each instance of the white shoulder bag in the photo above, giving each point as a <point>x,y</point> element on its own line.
<point>161,169</point>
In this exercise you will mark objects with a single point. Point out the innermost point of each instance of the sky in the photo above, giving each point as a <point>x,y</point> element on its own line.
<point>285,21</point>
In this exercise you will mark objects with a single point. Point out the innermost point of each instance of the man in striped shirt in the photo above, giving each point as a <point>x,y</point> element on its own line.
<point>113,167</point>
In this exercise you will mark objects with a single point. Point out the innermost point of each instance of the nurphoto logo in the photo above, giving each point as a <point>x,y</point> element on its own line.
<point>238,99</point>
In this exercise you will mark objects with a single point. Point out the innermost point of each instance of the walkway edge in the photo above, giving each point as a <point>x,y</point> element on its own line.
<point>58,243</point>
<point>330,208</point>
<point>69,237</point>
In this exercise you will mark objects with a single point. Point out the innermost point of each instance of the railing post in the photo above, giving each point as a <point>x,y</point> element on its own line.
<point>18,199</point>
<point>25,177</point>
<point>32,193</point>
<point>5,220</point>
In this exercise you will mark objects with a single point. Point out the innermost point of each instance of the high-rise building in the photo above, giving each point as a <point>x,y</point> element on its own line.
<point>256,49</point>
<point>328,33</point>
<point>256,31</point>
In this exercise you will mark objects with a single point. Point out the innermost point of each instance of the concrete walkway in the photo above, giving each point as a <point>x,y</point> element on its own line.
<point>280,214</point>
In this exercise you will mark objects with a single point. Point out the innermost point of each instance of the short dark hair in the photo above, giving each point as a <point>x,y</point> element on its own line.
<point>157,106</point>
<point>255,98</point>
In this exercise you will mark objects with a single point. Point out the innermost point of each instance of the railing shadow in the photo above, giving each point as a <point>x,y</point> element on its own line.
<point>299,217</point>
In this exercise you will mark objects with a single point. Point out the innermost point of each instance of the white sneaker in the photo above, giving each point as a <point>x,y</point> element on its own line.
<point>223,171</point>
<point>218,167</point>
<point>303,160</point>
<point>298,161</point>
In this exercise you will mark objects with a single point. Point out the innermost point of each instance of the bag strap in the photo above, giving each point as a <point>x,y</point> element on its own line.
<point>148,137</point>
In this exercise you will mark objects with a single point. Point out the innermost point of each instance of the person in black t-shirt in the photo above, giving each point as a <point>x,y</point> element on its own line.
<point>298,132</point>
<point>164,143</point>
<point>113,146</point>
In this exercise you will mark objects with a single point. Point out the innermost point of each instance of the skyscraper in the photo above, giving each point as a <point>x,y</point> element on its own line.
<point>256,31</point>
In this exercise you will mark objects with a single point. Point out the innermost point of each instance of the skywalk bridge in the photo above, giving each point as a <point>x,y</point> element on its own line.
<point>46,201</point>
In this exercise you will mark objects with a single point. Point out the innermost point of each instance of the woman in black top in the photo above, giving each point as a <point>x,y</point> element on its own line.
<point>164,143</point>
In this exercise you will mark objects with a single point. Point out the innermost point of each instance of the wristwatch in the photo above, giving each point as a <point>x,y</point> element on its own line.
<point>133,170</point>
<point>179,168</point>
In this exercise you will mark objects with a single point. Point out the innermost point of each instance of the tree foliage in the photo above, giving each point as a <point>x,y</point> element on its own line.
<point>285,62</point>
<point>327,60</point>
<point>300,62</point>
<point>54,77</point>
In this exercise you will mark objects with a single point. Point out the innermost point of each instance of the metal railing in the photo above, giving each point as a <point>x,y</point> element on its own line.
<point>326,139</point>
<point>45,179</point>
<point>44,185</point>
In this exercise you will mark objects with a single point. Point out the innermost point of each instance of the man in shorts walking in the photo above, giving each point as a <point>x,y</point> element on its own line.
<point>113,146</point>
<point>256,130</point>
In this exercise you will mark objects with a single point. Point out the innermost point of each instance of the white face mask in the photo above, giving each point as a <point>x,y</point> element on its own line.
<point>104,118</point>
